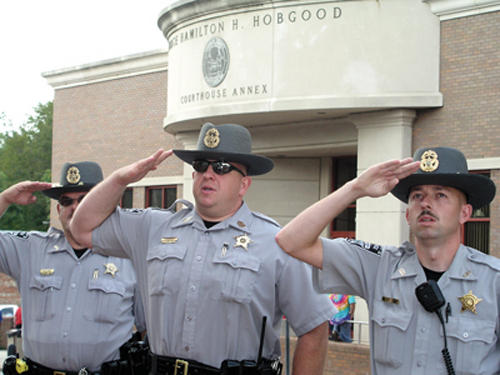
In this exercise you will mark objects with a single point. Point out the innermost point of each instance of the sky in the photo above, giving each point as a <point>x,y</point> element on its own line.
<point>38,36</point>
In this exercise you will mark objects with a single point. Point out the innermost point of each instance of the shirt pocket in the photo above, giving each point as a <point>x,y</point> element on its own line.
<point>471,340</point>
<point>165,264</point>
<point>43,293</point>
<point>390,329</point>
<point>236,277</point>
<point>107,297</point>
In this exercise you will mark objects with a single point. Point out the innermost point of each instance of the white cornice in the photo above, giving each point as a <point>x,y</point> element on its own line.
<point>105,70</point>
<point>450,9</point>
<point>484,163</point>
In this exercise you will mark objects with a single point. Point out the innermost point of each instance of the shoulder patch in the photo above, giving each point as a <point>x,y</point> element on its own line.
<point>21,235</point>
<point>266,218</point>
<point>133,211</point>
<point>377,249</point>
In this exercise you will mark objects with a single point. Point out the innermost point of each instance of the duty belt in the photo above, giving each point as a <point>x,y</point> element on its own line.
<point>178,366</point>
<point>161,365</point>
<point>35,368</point>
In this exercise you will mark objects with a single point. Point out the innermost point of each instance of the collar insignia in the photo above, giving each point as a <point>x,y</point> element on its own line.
<point>469,302</point>
<point>111,269</point>
<point>242,241</point>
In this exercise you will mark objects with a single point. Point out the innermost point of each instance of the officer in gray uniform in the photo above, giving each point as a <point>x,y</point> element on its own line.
<point>216,283</point>
<point>405,286</point>
<point>79,307</point>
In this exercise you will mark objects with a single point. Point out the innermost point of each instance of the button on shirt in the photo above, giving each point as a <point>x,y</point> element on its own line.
<point>74,313</point>
<point>207,290</point>
<point>404,337</point>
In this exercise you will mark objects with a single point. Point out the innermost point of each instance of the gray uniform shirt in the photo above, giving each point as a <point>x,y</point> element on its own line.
<point>207,290</point>
<point>75,314</point>
<point>404,337</point>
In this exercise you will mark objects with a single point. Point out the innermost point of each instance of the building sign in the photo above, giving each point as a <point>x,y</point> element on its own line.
<point>288,56</point>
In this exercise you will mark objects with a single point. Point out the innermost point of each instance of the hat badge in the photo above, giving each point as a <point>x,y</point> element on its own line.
<point>429,161</point>
<point>212,138</point>
<point>73,175</point>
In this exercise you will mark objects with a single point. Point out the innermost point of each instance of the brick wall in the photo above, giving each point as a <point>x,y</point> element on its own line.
<point>342,358</point>
<point>8,291</point>
<point>114,123</point>
<point>470,84</point>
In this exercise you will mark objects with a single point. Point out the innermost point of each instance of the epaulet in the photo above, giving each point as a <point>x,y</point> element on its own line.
<point>377,249</point>
<point>266,218</point>
<point>53,232</point>
<point>488,260</point>
<point>187,204</point>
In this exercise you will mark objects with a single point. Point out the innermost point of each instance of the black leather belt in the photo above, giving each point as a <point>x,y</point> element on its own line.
<point>35,368</point>
<point>178,366</point>
<point>161,365</point>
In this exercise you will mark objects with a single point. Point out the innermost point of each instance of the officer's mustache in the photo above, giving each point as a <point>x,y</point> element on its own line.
<point>428,213</point>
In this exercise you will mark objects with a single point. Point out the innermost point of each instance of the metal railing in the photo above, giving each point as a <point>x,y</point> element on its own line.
<point>361,326</point>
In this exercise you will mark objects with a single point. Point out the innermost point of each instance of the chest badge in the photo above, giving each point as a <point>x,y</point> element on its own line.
<point>111,269</point>
<point>46,271</point>
<point>242,241</point>
<point>469,302</point>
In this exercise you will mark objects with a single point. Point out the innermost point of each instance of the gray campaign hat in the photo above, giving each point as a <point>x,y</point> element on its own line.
<point>447,167</point>
<point>228,142</point>
<point>81,176</point>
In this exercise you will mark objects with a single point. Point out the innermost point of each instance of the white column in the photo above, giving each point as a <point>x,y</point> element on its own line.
<point>189,140</point>
<point>382,136</point>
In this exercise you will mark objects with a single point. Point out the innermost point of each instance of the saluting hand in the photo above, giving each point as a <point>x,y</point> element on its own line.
<point>22,192</point>
<point>380,179</point>
<point>136,171</point>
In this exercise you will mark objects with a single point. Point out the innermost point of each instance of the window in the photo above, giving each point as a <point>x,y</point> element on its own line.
<point>161,196</point>
<point>476,232</point>
<point>127,198</point>
<point>344,170</point>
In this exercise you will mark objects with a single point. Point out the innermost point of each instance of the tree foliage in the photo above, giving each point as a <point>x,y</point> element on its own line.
<point>26,154</point>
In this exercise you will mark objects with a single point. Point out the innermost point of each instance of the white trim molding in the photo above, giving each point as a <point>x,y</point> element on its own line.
<point>157,181</point>
<point>106,70</point>
<point>485,163</point>
<point>451,9</point>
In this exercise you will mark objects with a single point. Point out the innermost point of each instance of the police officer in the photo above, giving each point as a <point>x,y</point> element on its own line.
<point>79,307</point>
<point>405,337</point>
<point>216,283</point>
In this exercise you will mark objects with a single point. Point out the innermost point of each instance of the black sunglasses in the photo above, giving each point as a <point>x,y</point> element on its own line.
<point>67,201</point>
<point>219,167</point>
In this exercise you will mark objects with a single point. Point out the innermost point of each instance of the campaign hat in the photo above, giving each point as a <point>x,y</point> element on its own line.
<point>447,166</point>
<point>80,176</point>
<point>230,143</point>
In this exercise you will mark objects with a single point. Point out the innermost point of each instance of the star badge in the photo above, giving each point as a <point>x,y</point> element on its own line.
<point>469,302</point>
<point>242,241</point>
<point>111,269</point>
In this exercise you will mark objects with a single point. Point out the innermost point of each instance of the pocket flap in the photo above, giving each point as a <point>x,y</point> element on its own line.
<point>107,286</point>
<point>389,318</point>
<point>167,251</point>
<point>467,330</point>
<point>46,282</point>
<point>247,262</point>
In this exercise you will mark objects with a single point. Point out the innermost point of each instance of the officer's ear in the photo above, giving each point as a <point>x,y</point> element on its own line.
<point>245,183</point>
